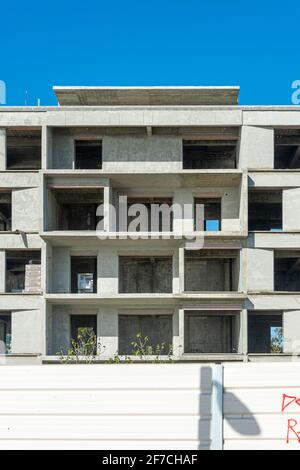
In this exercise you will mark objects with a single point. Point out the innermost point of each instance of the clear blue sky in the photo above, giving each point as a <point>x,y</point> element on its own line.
<point>93,42</point>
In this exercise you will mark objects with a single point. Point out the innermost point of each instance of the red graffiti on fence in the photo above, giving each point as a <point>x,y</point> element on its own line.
<point>288,400</point>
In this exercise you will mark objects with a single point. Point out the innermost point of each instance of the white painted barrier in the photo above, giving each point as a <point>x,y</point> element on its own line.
<point>253,395</point>
<point>152,406</point>
<point>148,406</point>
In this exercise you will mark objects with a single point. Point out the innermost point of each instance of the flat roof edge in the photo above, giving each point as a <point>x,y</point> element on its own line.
<point>146,95</point>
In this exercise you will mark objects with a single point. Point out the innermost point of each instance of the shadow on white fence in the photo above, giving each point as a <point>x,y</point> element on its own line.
<point>148,406</point>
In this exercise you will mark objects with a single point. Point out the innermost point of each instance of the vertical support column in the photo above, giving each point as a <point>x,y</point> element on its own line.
<point>243,336</point>
<point>183,222</point>
<point>181,268</point>
<point>181,329</point>
<point>107,330</point>
<point>46,268</point>
<point>217,408</point>
<point>108,271</point>
<point>46,147</point>
<point>177,350</point>
<point>108,215</point>
<point>2,149</point>
<point>256,148</point>
<point>61,270</point>
<point>2,272</point>
<point>175,273</point>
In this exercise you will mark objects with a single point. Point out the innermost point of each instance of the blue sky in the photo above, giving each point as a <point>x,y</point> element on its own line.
<point>252,44</point>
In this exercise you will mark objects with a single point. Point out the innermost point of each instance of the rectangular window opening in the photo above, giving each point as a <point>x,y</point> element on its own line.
<point>5,332</point>
<point>208,214</point>
<point>211,270</point>
<point>23,271</point>
<point>265,333</point>
<point>287,149</point>
<point>83,274</point>
<point>210,332</point>
<point>157,328</point>
<point>23,149</point>
<point>265,210</point>
<point>88,154</point>
<point>5,211</point>
<point>145,274</point>
<point>210,154</point>
<point>74,208</point>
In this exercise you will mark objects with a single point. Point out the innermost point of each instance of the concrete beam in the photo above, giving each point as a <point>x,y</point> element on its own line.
<point>2,149</point>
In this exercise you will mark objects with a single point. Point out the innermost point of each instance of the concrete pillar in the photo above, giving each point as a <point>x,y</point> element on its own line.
<point>2,149</point>
<point>28,331</point>
<point>260,270</point>
<point>181,328</point>
<point>243,333</point>
<point>108,271</point>
<point>177,345</point>
<point>63,151</point>
<point>184,223</point>
<point>109,222</point>
<point>61,329</point>
<point>107,330</point>
<point>181,268</point>
<point>231,210</point>
<point>26,209</point>
<point>291,209</point>
<point>61,275</point>
<point>175,271</point>
<point>256,148</point>
<point>2,272</point>
<point>47,147</point>
<point>291,331</point>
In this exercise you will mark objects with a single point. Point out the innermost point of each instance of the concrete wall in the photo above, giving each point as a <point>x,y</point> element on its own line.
<point>260,270</point>
<point>291,331</point>
<point>28,331</point>
<point>61,329</point>
<point>153,153</point>
<point>61,270</point>
<point>25,209</point>
<point>63,150</point>
<point>2,149</point>
<point>256,147</point>
<point>291,209</point>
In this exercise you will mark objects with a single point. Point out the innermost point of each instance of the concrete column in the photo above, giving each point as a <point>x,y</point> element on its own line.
<point>291,331</point>
<point>243,333</point>
<point>61,275</point>
<point>177,346</point>
<point>47,147</point>
<point>181,268</point>
<point>26,209</point>
<point>241,274</point>
<point>260,269</point>
<point>181,328</point>
<point>108,271</point>
<point>256,148</point>
<point>2,272</point>
<point>231,210</point>
<point>109,223</point>
<point>107,330</point>
<point>28,331</point>
<point>2,149</point>
<point>185,222</point>
<point>175,270</point>
<point>291,209</point>
<point>61,329</point>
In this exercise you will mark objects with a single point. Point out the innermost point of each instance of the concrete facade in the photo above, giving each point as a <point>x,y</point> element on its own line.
<point>142,153</point>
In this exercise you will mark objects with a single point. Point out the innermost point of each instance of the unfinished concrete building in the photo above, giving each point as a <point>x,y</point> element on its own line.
<point>234,298</point>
